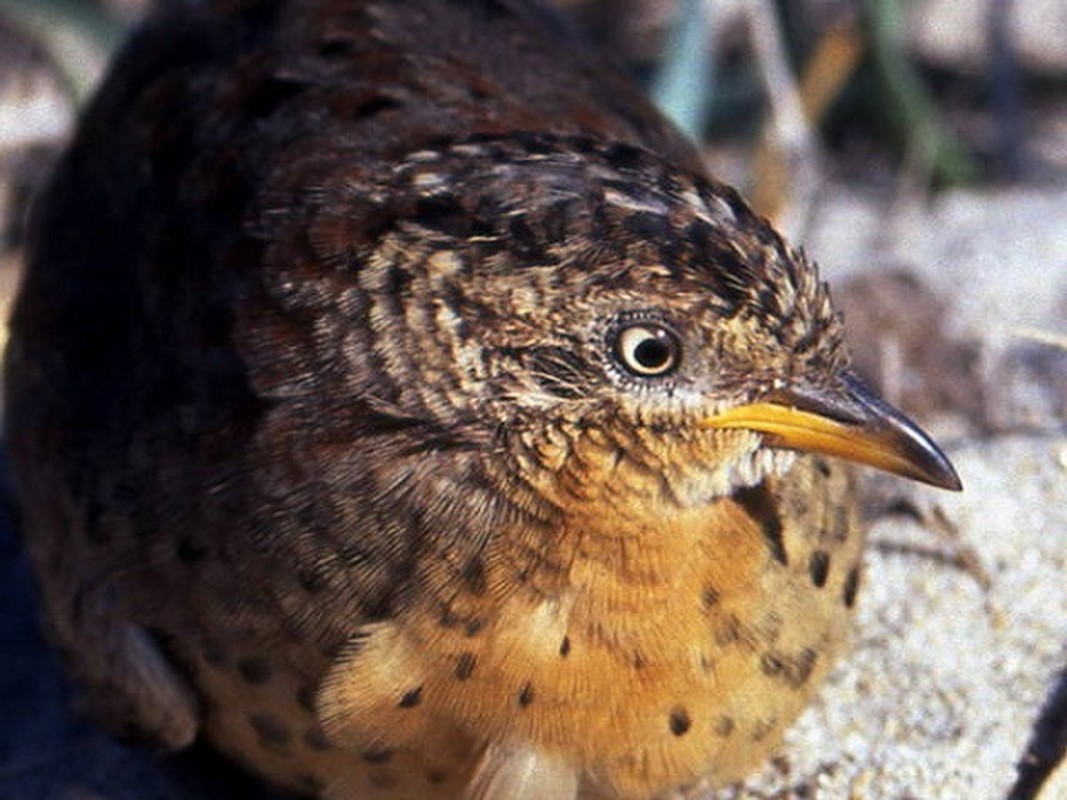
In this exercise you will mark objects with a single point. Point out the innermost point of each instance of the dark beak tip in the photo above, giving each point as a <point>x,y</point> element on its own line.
<point>926,462</point>
<point>945,477</point>
<point>954,484</point>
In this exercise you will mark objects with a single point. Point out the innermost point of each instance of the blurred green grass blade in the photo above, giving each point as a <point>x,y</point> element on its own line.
<point>909,107</point>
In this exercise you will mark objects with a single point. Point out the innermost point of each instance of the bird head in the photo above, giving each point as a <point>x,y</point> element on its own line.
<point>556,288</point>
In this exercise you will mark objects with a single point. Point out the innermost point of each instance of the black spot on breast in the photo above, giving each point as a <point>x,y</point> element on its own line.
<point>271,732</point>
<point>709,598</point>
<point>763,728</point>
<point>852,585</point>
<point>802,666</point>
<point>436,776</point>
<point>770,664</point>
<point>728,631</point>
<point>379,756</point>
<point>565,646</point>
<point>448,618</point>
<point>473,626</point>
<point>795,670</point>
<point>819,567</point>
<point>526,695</point>
<point>254,670</point>
<point>763,508</point>
<point>315,739</point>
<point>679,721</point>
<point>464,666</point>
<point>411,698</point>
<point>474,577</point>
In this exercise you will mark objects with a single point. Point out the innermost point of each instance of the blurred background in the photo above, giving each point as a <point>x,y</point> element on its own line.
<point>917,149</point>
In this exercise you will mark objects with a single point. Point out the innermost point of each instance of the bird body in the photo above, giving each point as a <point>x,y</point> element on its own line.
<point>396,404</point>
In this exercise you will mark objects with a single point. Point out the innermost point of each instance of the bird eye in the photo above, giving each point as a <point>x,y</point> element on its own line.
<point>647,350</point>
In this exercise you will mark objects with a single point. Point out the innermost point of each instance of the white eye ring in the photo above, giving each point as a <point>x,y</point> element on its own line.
<point>647,350</point>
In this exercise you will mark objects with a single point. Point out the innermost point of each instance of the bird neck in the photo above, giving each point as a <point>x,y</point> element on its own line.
<point>634,502</point>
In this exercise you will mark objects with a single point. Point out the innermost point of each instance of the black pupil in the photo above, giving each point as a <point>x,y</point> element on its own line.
<point>652,353</point>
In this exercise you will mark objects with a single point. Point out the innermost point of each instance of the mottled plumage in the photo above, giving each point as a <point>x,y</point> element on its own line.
<point>394,399</point>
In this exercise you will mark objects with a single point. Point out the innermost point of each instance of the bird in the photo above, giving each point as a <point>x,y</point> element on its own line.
<point>396,404</point>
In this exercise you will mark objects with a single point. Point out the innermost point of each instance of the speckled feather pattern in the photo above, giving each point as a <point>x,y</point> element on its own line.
<point>322,449</point>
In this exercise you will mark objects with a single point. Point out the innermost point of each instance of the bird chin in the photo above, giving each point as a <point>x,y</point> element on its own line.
<point>759,464</point>
<point>750,468</point>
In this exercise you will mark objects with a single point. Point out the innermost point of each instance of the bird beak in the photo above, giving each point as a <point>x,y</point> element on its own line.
<point>848,421</point>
